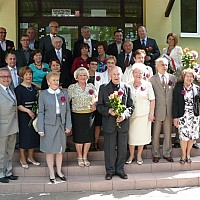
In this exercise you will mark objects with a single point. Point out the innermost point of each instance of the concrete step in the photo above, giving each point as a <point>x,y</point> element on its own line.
<point>98,168</point>
<point>96,182</point>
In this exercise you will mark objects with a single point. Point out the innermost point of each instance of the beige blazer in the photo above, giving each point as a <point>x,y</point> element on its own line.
<point>163,101</point>
<point>8,114</point>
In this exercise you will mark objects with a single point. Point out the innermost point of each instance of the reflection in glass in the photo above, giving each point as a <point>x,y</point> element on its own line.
<point>133,8</point>
<point>112,8</point>
<point>28,8</point>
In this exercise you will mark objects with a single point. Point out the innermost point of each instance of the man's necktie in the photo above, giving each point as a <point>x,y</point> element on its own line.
<point>9,93</point>
<point>163,82</point>
<point>14,77</point>
<point>143,44</point>
<point>59,56</point>
<point>126,61</point>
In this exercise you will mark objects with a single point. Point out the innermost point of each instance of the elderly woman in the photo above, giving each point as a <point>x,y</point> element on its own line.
<point>39,68</point>
<point>55,67</point>
<point>101,48</point>
<point>143,115</point>
<point>54,120</point>
<point>26,94</point>
<point>83,96</point>
<point>173,53</point>
<point>83,60</point>
<point>185,110</point>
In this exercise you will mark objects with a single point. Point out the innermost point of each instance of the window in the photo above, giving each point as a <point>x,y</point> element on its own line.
<point>190,26</point>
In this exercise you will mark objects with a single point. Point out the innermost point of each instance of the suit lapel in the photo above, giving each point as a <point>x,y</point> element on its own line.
<point>4,93</point>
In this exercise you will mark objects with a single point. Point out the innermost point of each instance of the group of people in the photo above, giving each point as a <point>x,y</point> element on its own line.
<point>70,93</point>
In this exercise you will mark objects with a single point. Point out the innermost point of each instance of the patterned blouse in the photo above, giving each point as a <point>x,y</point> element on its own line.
<point>82,99</point>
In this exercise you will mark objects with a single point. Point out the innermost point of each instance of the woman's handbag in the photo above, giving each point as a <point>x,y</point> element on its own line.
<point>35,122</point>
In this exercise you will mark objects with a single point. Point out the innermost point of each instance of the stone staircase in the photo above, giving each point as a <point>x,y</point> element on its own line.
<point>148,175</point>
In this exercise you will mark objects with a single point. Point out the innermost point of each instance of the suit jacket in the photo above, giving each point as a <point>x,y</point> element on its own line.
<point>109,121</point>
<point>77,51</point>
<point>155,51</point>
<point>9,47</point>
<point>8,114</point>
<point>112,49</point>
<point>46,45</point>
<point>47,110</point>
<point>121,60</point>
<point>178,106</point>
<point>66,65</point>
<point>163,104</point>
<point>21,59</point>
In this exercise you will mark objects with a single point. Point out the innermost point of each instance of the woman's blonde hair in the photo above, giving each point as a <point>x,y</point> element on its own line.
<point>50,74</point>
<point>187,71</point>
<point>81,70</point>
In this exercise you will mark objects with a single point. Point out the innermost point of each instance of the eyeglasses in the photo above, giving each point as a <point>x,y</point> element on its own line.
<point>3,32</point>
<point>55,26</point>
<point>5,77</point>
<point>25,40</point>
<point>58,42</point>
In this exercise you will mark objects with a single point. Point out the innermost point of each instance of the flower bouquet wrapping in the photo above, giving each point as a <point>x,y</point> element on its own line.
<point>115,100</point>
<point>188,59</point>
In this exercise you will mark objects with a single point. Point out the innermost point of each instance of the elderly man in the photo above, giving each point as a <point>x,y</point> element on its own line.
<point>45,42</point>
<point>8,126</point>
<point>23,54</point>
<point>5,46</point>
<point>85,33</point>
<point>34,44</point>
<point>125,59</point>
<point>163,84</point>
<point>114,135</point>
<point>116,47</point>
<point>149,45</point>
<point>65,58</point>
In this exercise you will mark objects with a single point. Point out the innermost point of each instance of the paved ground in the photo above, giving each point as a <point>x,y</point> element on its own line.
<point>165,193</point>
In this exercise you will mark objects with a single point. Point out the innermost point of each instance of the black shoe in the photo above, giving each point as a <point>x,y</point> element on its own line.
<point>108,176</point>
<point>12,177</point>
<point>195,146</point>
<point>61,178</point>
<point>177,145</point>
<point>122,175</point>
<point>4,180</point>
<point>52,180</point>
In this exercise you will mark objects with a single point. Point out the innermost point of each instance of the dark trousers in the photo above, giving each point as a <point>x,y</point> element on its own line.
<point>115,159</point>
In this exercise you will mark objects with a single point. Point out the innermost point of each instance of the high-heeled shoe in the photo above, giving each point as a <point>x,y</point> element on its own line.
<point>129,161</point>
<point>52,180</point>
<point>34,163</point>
<point>62,178</point>
<point>25,166</point>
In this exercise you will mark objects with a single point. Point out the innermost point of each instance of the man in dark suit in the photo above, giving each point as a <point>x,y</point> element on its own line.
<point>116,47</point>
<point>45,42</point>
<point>5,46</point>
<point>65,58</point>
<point>8,126</point>
<point>23,54</point>
<point>149,45</point>
<point>85,32</point>
<point>113,135</point>
<point>125,59</point>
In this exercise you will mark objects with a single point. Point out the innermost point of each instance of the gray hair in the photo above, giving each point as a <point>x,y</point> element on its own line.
<point>139,66</point>
<point>81,70</point>
<point>161,60</point>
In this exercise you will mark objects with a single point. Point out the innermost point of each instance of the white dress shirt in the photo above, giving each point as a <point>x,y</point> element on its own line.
<point>55,92</point>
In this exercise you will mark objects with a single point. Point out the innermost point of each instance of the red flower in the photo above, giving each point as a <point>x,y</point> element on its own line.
<point>147,75</point>
<point>183,92</point>
<point>170,83</point>
<point>98,78</point>
<point>143,88</point>
<point>91,91</point>
<point>120,92</point>
<point>63,99</point>
<point>44,69</point>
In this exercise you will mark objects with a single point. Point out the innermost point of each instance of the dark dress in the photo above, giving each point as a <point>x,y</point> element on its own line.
<point>28,138</point>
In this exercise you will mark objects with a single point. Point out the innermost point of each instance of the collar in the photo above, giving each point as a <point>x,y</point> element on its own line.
<point>51,35</point>
<point>60,50</point>
<point>89,40</point>
<point>130,54</point>
<point>57,91</point>
<point>145,39</point>
<point>10,68</point>
<point>3,86</point>
<point>166,75</point>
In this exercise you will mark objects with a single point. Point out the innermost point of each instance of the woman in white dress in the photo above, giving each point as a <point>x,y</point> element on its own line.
<point>173,53</point>
<point>143,115</point>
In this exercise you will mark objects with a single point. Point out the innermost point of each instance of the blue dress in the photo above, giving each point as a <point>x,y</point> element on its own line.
<point>28,138</point>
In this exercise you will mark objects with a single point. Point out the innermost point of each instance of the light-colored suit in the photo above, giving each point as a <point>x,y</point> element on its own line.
<point>8,130</point>
<point>163,114</point>
<point>47,121</point>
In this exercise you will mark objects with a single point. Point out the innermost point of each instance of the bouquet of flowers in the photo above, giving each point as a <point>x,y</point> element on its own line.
<point>115,100</point>
<point>148,51</point>
<point>187,59</point>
